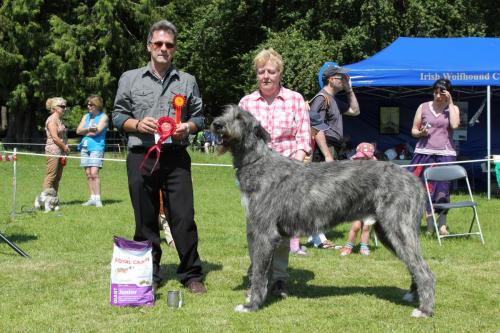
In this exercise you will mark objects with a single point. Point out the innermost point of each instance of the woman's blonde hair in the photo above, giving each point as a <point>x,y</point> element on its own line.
<point>96,100</point>
<point>268,55</point>
<point>53,102</point>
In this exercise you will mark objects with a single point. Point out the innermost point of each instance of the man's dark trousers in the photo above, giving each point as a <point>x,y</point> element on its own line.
<point>173,176</point>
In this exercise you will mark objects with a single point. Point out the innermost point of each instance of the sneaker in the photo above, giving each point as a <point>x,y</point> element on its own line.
<point>443,231</point>
<point>98,203</point>
<point>364,251</point>
<point>278,289</point>
<point>299,253</point>
<point>91,202</point>
<point>346,251</point>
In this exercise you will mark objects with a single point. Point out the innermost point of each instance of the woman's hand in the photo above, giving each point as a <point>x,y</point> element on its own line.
<point>423,131</point>
<point>449,99</point>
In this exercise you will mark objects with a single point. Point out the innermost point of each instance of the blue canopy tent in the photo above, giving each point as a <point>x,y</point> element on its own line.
<point>418,62</point>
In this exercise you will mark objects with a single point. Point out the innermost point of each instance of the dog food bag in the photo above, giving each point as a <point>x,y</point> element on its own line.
<point>131,273</point>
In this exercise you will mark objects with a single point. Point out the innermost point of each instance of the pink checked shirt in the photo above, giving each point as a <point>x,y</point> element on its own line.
<point>286,120</point>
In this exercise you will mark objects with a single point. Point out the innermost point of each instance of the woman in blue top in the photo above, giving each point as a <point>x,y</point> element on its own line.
<point>93,127</point>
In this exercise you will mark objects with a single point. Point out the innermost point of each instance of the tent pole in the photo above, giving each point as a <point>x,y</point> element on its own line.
<point>488,139</point>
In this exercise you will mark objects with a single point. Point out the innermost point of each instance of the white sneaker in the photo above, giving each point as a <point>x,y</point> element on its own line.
<point>91,202</point>
<point>98,203</point>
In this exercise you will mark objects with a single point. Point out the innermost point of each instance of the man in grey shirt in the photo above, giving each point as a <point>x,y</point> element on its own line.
<point>331,109</point>
<point>144,95</point>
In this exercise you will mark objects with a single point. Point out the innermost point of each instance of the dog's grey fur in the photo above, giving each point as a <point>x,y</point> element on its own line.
<point>47,200</point>
<point>287,198</point>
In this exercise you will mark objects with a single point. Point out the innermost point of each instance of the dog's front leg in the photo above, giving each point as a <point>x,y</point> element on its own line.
<point>47,206</point>
<point>262,249</point>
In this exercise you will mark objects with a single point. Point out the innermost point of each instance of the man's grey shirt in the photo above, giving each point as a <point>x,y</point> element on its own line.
<point>140,94</point>
<point>331,116</point>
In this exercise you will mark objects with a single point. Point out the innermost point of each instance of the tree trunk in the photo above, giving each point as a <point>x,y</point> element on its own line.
<point>3,118</point>
<point>23,129</point>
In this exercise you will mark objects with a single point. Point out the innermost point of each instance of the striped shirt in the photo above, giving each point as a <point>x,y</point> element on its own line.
<point>285,119</point>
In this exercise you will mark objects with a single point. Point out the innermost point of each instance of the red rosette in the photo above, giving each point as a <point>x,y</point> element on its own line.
<point>178,102</point>
<point>166,128</point>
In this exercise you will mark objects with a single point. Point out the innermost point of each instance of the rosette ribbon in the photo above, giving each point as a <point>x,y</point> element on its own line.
<point>166,127</point>
<point>178,102</point>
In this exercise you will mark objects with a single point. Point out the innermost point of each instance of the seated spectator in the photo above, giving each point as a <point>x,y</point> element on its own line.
<point>210,140</point>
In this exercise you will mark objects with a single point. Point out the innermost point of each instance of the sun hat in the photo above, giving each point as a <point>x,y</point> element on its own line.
<point>364,151</point>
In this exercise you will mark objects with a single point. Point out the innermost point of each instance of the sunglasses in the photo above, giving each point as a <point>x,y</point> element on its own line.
<point>62,106</point>
<point>90,104</point>
<point>158,45</point>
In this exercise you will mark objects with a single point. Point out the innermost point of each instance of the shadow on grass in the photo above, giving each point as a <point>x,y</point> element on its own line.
<point>297,286</point>
<point>80,202</point>
<point>388,293</point>
<point>169,271</point>
<point>18,238</point>
<point>14,239</point>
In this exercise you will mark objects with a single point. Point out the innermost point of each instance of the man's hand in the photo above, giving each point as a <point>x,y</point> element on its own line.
<point>147,125</point>
<point>346,83</point>
<point>181,131</point>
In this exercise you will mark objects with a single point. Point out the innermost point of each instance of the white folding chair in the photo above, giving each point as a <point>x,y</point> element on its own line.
<point>450,173</point>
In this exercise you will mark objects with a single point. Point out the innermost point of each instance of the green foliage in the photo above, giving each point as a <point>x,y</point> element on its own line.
<point>75,48</point>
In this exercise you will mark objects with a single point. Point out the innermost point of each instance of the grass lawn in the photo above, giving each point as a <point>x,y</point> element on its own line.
<point>64,287</point>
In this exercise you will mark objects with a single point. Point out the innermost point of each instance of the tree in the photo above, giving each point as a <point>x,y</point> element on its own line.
<point>74,48</point>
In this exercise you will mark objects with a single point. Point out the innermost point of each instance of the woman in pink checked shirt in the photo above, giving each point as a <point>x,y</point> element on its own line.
<point>282,112</point>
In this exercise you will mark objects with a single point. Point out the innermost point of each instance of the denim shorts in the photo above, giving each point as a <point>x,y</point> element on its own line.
<point>91,158</point>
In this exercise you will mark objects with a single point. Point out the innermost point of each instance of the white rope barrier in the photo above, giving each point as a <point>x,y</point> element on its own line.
<point>109,159</point>
<point>117,145</point>
<point>230,165</point>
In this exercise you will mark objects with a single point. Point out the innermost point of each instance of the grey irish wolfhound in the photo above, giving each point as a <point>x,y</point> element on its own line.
<point>284,197</point>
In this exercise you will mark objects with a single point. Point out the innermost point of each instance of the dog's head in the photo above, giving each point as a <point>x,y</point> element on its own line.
<point>238,128</point>
<point>49,197</point>
<point>50,192</point>
<point>52,202</point>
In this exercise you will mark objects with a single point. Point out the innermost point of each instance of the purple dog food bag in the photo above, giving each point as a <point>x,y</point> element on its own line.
<point>131,273</point>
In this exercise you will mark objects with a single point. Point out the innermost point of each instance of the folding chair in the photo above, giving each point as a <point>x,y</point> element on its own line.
<point>451,173</point>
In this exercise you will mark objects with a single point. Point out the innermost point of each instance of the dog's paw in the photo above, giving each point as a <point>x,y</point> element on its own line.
<point>416,313</point>
<point>241,308</point>
<point>56,208</point>
<point>409,297</point>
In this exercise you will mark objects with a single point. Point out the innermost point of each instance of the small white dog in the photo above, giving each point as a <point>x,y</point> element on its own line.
<point>47,200</point>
